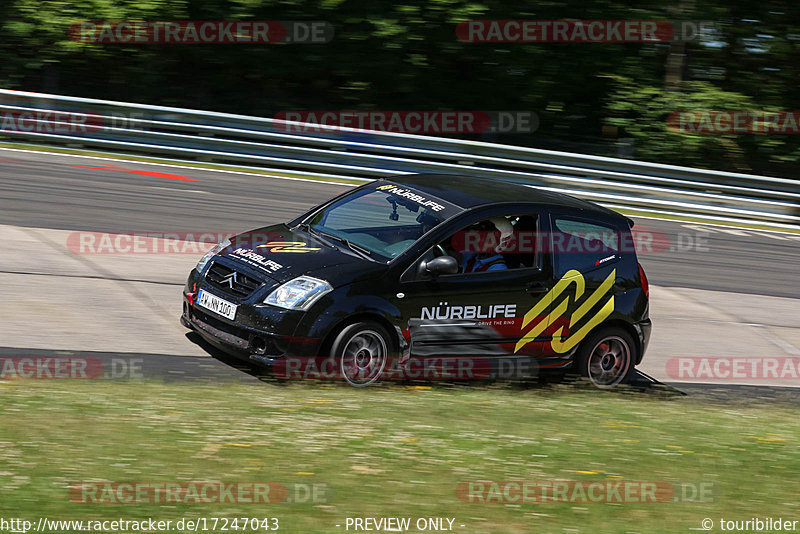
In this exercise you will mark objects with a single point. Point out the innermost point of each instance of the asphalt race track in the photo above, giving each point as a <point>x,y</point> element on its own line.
<point>717,291</point>
<point>46,191</point>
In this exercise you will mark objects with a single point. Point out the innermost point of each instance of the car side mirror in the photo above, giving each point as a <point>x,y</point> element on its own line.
<point>438,266</point>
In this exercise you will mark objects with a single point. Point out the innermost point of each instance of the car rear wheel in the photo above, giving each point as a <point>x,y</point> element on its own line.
<point>606,357</point>
<point>362,350</point>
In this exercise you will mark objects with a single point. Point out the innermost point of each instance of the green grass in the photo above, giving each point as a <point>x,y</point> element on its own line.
<point>395,451</point>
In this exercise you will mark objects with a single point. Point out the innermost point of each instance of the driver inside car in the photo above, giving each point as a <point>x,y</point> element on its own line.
<point>487,257</point>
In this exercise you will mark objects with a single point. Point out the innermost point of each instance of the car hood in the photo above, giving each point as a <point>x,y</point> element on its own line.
<point>279,253</point>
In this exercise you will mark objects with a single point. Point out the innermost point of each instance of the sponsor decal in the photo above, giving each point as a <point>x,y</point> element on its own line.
<point>598,262</point>
<point>410,195</point>
<point>288,246</point>
<point>443,311</point>
<point>256,259</point>
<point>559,344</point>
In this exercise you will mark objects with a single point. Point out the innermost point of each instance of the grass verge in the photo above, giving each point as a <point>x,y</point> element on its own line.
<point>395,452</point>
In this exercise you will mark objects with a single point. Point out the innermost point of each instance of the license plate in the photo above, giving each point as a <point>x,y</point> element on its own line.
<point>216,304</point>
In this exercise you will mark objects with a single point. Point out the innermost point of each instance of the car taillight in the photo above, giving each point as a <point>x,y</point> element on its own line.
<point>645,283</point>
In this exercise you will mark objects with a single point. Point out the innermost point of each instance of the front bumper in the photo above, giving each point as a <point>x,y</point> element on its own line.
<point>262,331</point>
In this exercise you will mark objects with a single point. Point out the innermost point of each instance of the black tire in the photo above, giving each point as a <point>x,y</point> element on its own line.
<point>606,357</point>
<point>363,350</point>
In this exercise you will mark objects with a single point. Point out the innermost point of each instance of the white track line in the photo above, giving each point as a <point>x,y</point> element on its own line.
<point>734,232</point>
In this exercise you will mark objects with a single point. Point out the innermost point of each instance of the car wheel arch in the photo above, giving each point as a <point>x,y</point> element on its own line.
<point>612,333</point>
<point>372,316</point>
<point>625,325</point>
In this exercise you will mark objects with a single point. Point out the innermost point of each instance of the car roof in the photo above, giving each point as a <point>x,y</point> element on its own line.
<point>470,192</point>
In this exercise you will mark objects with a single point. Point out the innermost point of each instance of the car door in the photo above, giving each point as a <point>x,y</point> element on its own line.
<point>586,255</point>
<point>480,314</point>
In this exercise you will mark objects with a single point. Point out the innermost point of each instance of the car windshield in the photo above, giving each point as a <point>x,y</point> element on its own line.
<point>381,221</point>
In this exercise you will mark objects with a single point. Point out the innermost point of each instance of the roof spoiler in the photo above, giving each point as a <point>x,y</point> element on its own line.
<point>630,222</point>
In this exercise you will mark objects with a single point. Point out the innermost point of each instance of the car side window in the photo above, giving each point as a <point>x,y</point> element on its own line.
<point>494,244</point>
<point>583,245</point>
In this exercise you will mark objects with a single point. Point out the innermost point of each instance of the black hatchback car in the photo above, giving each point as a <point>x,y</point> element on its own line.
<point>450,274</point>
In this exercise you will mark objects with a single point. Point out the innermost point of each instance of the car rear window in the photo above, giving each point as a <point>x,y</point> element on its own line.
<point>583,245</point>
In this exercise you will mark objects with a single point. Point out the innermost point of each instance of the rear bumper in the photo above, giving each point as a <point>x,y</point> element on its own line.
<point>643,329</point>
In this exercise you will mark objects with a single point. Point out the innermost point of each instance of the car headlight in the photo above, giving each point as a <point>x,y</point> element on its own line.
<point>299,294</point>
<point>216,249</point>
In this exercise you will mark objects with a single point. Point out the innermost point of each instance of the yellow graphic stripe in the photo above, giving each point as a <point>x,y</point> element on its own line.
<point>561,285</point>
<point>541,325</point>
<point>288,246</point>
<point>568,278</point>
<point>594,298</point>
<point>557,343</point>
<point>574,339</point>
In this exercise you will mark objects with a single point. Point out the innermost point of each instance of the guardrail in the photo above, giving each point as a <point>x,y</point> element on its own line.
<point>332,151</point>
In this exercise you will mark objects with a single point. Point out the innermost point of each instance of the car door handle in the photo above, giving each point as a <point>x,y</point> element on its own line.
<point>536,289</point>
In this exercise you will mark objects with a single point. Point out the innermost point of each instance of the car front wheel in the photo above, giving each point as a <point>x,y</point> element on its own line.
<point>362,349</point>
